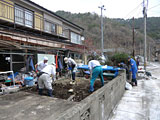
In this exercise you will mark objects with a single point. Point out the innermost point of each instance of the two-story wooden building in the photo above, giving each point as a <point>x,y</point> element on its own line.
<point>27,28</point>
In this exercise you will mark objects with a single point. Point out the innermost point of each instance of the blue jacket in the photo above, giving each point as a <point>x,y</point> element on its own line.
<point>133,68</point>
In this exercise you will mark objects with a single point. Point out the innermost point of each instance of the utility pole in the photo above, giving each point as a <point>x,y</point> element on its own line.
<point>102,8</point>
<point>133,39</point>
<point>145,43</point>
<point>149,52</point>
<point>140,49</point>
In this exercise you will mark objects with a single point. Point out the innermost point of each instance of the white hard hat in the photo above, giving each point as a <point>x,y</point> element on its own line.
<point>66,60</point>
<point>45,58</point>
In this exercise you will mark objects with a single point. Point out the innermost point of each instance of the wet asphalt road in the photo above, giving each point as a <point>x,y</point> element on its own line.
<point>143,101</point>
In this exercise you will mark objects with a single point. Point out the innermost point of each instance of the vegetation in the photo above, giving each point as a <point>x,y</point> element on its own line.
<point>153,25</point>
<point>119,57</point>
<point>118,33</point>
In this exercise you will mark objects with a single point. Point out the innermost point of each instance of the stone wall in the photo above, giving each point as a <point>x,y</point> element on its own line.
<point>99,105</point>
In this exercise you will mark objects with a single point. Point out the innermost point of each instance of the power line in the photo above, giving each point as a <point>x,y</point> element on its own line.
<point>139,13</point>
<point>154,6</point>
<point>154,11</point>
<point>136,13</point>
<point>133,10</point>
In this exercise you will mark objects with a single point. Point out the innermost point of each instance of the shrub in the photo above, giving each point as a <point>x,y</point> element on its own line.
<point>119,57</point>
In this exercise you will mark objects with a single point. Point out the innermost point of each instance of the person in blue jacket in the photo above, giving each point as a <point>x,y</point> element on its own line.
<point>133,70</point>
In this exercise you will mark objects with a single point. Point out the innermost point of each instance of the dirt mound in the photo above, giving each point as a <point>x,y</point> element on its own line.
<point>61,90</point>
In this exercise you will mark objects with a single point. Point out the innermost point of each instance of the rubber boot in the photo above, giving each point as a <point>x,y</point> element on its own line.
<point>102,82</point>
<point>37,87</point>
<point>73,76</point>
<point>50,93</point>
<point>91,88</point>
<point>135,82</point>
<point>40,91</point>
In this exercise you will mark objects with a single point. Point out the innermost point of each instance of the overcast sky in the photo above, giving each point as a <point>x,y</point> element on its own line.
<point>114,8</point>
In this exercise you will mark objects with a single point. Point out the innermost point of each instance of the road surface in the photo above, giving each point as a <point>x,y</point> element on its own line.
<point>143,101</point>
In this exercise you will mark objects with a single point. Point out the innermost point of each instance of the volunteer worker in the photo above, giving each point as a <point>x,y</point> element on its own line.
<point>95,71</point>
<point>45,80</point>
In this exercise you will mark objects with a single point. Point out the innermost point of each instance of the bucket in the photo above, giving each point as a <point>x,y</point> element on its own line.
<point>29,81</point>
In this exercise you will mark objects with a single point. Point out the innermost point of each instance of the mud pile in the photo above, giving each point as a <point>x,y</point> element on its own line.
<point>61,89</point>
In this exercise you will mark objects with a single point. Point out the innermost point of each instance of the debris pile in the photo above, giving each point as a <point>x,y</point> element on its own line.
<point>64,90</point>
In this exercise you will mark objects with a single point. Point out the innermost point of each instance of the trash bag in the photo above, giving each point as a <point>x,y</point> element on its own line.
<point>128,86</point>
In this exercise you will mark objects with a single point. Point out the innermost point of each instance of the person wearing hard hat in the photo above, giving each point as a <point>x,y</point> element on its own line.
<point>39,66</point>
<point>72,65</point>
<point>42,64</point>
<point>45,79</point>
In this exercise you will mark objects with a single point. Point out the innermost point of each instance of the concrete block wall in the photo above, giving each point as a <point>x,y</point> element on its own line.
<point>99,105</point>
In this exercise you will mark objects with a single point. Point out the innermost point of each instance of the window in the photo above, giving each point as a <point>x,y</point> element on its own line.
<point>28,19</point>
<point>47,26</point>
<point>19,16</point>
<point>23,16</point>
<point>53,28</point>
<point>75,38</point>
<point>50,27</point>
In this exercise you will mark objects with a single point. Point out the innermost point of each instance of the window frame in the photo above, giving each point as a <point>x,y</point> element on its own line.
<point>18,10</point>
<point>47,25</point>
<point>24,16</point>
<point>53,31</point>
<point>29,20</point>
<point>76,38</point>
<point>50,30</point>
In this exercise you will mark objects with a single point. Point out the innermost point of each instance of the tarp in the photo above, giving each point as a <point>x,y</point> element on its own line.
<point>105,68</point>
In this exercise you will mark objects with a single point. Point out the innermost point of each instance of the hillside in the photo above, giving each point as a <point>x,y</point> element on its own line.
<point>153,25</point>
<point>117,32</point>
